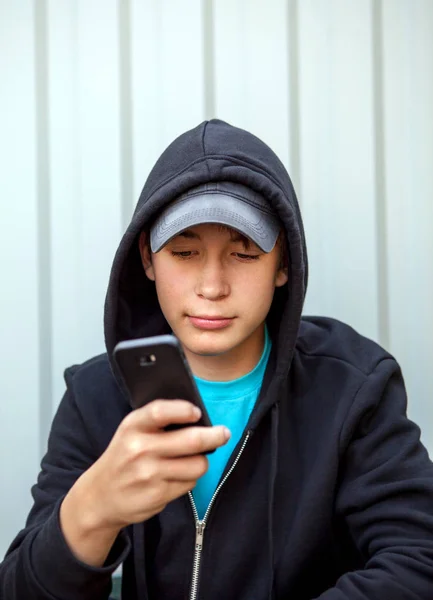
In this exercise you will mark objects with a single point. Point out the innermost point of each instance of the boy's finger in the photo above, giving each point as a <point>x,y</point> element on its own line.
<point>160,413</point>
<point>190,440</point>
<point>186,468</point>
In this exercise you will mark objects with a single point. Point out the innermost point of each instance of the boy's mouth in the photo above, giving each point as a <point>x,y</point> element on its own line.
<point>210,322</point>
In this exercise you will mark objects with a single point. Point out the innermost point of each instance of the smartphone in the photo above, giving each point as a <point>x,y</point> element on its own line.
<point>156,367</point>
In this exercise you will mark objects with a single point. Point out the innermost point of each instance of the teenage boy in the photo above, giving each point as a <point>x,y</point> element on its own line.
<point>321,489</point>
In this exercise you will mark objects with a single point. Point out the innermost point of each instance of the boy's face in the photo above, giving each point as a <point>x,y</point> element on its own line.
<point>206,271</point>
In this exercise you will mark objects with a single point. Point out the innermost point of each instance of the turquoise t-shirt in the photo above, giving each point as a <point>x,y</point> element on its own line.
<point>228,403</point>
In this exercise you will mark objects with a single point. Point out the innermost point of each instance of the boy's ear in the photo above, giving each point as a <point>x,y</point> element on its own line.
<point>281,277</point>
<point>146,259</point>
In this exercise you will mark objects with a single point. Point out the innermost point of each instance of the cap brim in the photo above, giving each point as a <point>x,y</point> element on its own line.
<point>260,226</point>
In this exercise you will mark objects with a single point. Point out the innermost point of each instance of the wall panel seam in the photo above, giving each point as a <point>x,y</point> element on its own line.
<point>294,161</point>
<point>379,170</point>
<point>208,59</point>
<point>43,203</point>
<point>126,112</point>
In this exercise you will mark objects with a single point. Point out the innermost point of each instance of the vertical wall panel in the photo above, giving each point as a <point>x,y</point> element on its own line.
<point>85,173</point>
<point>65,189</point>
<point>167,77</point>
<point>337,159</point>
<point>100,204</point>
<point>19,263</point>
<point>408,94</point>
<point>252,69</point>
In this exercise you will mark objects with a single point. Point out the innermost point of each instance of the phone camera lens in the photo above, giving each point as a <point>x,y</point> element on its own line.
<point>147,360</point>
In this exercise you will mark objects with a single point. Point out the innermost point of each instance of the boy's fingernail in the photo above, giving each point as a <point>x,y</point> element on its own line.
<point>197,412</point>
<point>227,433</point>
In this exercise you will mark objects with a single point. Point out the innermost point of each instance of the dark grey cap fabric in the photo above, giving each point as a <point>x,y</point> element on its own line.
<point>228,203</point>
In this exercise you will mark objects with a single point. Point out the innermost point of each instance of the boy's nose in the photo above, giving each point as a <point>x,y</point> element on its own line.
<point>212,283</point>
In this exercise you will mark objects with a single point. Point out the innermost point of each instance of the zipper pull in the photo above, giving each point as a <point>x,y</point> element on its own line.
<point>199,527</point>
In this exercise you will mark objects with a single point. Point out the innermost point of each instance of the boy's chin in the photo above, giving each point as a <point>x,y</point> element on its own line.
<point>208,347</point>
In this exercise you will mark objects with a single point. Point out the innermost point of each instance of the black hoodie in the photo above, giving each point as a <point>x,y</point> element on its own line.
<point>329,493</point>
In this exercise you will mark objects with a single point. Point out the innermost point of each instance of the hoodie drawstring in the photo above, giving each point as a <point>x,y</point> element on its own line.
<point>272,480</point>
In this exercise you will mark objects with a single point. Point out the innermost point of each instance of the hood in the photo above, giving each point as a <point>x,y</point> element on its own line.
<point>212,151</point>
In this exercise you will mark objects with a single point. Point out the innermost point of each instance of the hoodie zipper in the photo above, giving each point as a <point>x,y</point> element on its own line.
<point>201,524</point>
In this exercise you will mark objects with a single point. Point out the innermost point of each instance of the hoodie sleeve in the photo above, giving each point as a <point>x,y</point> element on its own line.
<point>385,495</point>
<point>39,564</point>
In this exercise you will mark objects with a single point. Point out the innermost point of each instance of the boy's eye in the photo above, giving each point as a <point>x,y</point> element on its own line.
<point>182,254</point>
<point>188,254</point>
<point>247,256</point>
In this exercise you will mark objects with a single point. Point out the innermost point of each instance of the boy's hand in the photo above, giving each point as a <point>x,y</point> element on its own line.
<point>142,469</point>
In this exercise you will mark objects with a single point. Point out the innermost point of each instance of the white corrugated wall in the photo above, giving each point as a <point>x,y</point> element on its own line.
<point>91,91</point>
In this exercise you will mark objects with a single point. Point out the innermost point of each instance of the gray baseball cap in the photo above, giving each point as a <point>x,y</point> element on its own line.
<point>228,203</point>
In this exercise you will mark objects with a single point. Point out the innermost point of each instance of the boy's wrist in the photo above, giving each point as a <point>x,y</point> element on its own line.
<point>84,526</point>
